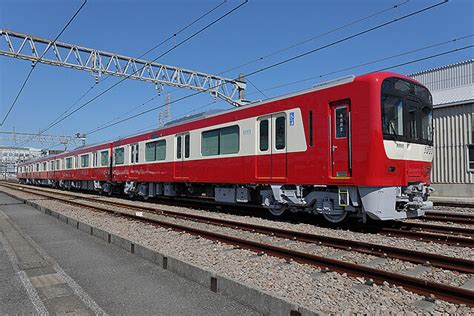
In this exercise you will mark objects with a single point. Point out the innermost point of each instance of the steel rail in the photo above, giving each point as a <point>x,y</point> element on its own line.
<point>468,232</point>
<point>455,217</point>
<point>454,204</point>
<point>423,287</point>
<point>445,262</point>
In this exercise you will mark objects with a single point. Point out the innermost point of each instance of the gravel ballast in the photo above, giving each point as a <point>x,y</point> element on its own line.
<point>304,285</point>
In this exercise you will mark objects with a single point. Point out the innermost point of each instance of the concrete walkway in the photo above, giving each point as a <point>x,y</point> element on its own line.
<point>49,267</point>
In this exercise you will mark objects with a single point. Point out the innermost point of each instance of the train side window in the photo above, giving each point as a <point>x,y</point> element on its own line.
<point>186,146</point>
<point>85,161</point>
<point>45,166</point>
<point>210,143</point>
<point>94,159</point>
<point>52,165</point>
<point>58,164</point>
<point>104,158</point>
<point>178,148</point>
<point>161,150</point>
<point>69,163</point>
<point>134,153</point>
<point>341,122</point>
<point>229,140</point>
<point>310,123</point>
<point>264,135</point>
<point>119,156</point>
<point>221,141</point>
<point>155,150</point>
<point>280,132</point>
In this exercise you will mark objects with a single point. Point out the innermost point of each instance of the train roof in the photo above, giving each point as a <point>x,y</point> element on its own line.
<point>213,113</point>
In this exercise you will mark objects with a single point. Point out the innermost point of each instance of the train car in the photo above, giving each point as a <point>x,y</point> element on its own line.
<point>353,147</point>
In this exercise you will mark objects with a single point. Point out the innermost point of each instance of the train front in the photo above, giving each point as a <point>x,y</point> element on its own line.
<point>405,164</point>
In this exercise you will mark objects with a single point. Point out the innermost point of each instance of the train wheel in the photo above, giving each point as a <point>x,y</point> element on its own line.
<point>336,218</point>
<point>275,208</point>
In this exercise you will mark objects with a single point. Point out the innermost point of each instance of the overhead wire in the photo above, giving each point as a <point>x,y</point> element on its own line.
<point>287,60</point>
<point>161,55</point>
<point>142,55</point>
<point>188,96</point>
<point>396,6</point>
<point>367,63</point>
<point>33,66</point>
<point>279,51</point>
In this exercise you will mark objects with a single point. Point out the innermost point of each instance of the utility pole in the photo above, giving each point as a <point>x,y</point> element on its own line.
<point>165,115</point>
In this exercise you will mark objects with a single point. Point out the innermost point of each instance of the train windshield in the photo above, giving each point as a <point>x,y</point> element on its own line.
<point>407,112</point>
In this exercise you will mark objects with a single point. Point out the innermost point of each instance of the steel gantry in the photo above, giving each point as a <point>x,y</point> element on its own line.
<point>76,140</point>
<point>28,47</point>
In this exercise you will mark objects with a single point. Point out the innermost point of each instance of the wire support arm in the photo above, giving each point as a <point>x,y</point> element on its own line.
<point>28,47</point>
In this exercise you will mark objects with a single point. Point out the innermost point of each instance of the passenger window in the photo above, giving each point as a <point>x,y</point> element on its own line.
<point>94,159</point>
<point>52,165</point>
<point>58,164</point>
<point>280,133</point>
<point>210,143</point>
<point>104,158</point>
<point>178,147</point>
<point>119,156</point>
<point>69,163</point>
<point>229,140</point>
<point>84,161</point>
<point>134,153</point>
<point>155,150</point>
<point>186,146</point>
<point>341,122</point>
<point>264,135</point>
<point>220,141</point>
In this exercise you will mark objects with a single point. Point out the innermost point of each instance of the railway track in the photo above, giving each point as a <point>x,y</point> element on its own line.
<point>459,218</point>
<point>420,286</point>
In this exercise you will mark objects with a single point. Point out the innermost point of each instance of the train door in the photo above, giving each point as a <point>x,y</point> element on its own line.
<point>264,144</point>
<point>340,140</point>
<point>183,153</point>
<point>271,147</point>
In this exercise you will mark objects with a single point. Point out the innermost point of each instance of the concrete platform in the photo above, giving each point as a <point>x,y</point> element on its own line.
<point>46,265</point>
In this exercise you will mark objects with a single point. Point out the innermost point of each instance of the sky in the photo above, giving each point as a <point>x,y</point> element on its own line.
<point>255,30</point>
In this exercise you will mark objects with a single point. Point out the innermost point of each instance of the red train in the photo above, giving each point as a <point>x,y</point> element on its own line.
<point>357,146</point>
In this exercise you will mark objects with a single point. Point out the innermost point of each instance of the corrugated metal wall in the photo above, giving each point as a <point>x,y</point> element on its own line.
<point>451,76</point>
<point>453,131</point>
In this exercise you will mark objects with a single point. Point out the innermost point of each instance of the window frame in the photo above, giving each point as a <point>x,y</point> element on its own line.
<point>219,140</point>
<point>345,107</point>
<point>123,156</point>
<point>85,158</point>
<point>267,148</point>
<point>134,153</point>
<point>156,144</point>
<point>277,117</point>
<point>107,155</point>
<point>469,159</point>
<point>70,164</point>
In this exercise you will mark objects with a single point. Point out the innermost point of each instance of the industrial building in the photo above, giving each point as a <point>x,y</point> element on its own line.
<point>11,156</point>
<point>452,87</point>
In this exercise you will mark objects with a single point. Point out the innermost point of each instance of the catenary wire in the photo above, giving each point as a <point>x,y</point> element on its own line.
<point>161,55</point>
<point>334,72</point>
<point>142,55</point>
<point>300,55</point>
<point>33,66</point>
<point>190,95</point>
<point>289,47</point>
<point>279,51</point>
